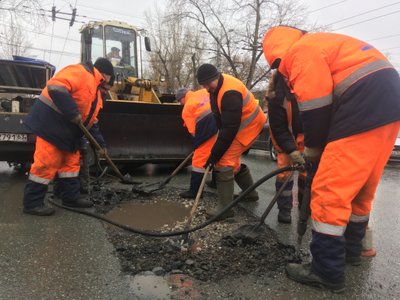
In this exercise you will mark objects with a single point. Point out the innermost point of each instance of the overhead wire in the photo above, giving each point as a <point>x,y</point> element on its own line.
<point>327,6</point>
<point>363,13</point>
<point>370,19</point>
<point>65,41</point>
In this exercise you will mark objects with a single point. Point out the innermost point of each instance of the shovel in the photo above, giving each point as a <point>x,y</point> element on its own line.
<point>96,145</point>
<point>249,233</point>
<point>147,189</point>
<point>184,239</point>
<point>196,201</point>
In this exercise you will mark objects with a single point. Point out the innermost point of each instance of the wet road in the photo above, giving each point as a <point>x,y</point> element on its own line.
<point>68,256</point>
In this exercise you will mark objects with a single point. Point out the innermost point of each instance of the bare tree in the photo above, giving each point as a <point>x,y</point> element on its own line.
<point>16,15</point>
<point>177,47</point>
<point>236,29</point>
<point>13,42</point>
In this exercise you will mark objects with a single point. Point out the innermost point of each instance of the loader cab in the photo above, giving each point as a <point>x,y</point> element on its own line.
<point>101,39</point>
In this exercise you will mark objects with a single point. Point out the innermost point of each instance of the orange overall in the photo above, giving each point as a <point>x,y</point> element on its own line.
<point>58,139</point>
<point>195,111</point>
<point>349,99</point>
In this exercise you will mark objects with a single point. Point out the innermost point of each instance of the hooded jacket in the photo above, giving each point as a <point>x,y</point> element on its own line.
<point>73,90</point>
<point>343,86</point>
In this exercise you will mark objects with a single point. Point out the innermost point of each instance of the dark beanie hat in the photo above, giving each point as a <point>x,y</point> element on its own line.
<point>104,66</point>
<point>207,73</point>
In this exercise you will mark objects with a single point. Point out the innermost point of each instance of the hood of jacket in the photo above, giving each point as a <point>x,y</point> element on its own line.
<point>278,41</point>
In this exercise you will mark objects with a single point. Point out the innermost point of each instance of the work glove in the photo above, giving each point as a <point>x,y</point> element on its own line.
<point>297,158</point>
<point>101,153</point>
<point>210,163</point>
<point>313,154</point>
<point>76,120</point>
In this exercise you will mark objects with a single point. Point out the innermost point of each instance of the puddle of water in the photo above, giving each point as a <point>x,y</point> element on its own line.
<point>174,286</point>
<point>149,216</point>
<point>150,287</point>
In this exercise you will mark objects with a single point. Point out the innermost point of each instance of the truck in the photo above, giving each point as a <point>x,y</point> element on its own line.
<point>140,123</point>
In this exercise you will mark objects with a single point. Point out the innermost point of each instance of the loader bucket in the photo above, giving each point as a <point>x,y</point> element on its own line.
<point>144,132</point>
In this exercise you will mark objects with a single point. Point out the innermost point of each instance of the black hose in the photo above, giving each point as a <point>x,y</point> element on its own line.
<point>186,231</point>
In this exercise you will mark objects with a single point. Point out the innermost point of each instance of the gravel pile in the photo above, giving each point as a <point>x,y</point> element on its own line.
<point>214,253</point>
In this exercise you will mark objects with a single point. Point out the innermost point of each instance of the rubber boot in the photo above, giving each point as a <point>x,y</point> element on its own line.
<point>34,194</point>
<point>213,182</point>
<point>244,180</point>
<point>195,181</point>
<point>284,215</point>
<point>225,187</point>
<point>68,190</point>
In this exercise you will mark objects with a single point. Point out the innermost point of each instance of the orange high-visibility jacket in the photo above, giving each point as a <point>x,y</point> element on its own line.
<point>197,105</point>
<point>82,85</point>
<point>253,119</point>
<point>343,86</point>
<point>51,123</point>
<point>198,116</point>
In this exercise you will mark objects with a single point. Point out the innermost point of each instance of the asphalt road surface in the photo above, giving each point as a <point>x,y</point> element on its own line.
<point>68,256</point>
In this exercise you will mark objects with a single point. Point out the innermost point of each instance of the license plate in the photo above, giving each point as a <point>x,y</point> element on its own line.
<point>396,153</point>
<point>13,137</point>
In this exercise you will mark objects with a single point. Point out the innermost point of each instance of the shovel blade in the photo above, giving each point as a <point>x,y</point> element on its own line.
<point>248,234</point>
<point>147,189</point>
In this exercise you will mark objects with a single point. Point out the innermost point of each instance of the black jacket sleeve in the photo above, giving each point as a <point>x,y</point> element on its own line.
<point>279,125</point>
<point>64,101</point>
<point>231,114</point>
<point>98,136</point>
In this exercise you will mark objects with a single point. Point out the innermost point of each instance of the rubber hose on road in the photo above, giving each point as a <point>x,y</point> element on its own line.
<point>186,231</point>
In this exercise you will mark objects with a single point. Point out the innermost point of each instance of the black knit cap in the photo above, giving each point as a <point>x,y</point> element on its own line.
<point>207,73</point>
<point>104,66</point>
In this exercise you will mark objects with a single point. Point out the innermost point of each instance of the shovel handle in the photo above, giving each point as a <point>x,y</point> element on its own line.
<point>272,203</point>
<point>197,200</point>
<point>93,141</point>
<point>178,168</point>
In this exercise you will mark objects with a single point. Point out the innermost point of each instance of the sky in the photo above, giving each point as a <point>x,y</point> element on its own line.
<point>376,22</point>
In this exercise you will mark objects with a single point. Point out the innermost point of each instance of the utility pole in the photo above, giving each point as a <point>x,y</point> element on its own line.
<point>53,13</point>
<point>72,17</point>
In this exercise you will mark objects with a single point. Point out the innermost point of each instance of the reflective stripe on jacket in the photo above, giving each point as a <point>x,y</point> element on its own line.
<point>343,86</point>
<point>47,121</point>
<point>198,116</point>
<point>253,119</point>
<point>81,83</point>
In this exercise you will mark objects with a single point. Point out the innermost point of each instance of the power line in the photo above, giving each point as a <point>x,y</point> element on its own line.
<point>384,37</point>
<point>363,13</point>
<point>327,6</point>
<point>70,25</point>
<point>378,17</point>
<point>117,13</point>
<point>42,33</point>
<point>42,49</point>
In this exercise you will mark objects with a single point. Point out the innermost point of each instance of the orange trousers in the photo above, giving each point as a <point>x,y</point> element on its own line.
<point>48,161</point>
<point>347,177</point>
<point>231,158</point>
<point>283,159</point>
<point>201,154</point>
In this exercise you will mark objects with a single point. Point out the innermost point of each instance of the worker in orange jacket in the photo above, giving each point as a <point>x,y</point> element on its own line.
<point>349,99</point>
<point>239,120</point>
<point>70,97</point>
<point>287,137</point>
<point>199,121</point>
